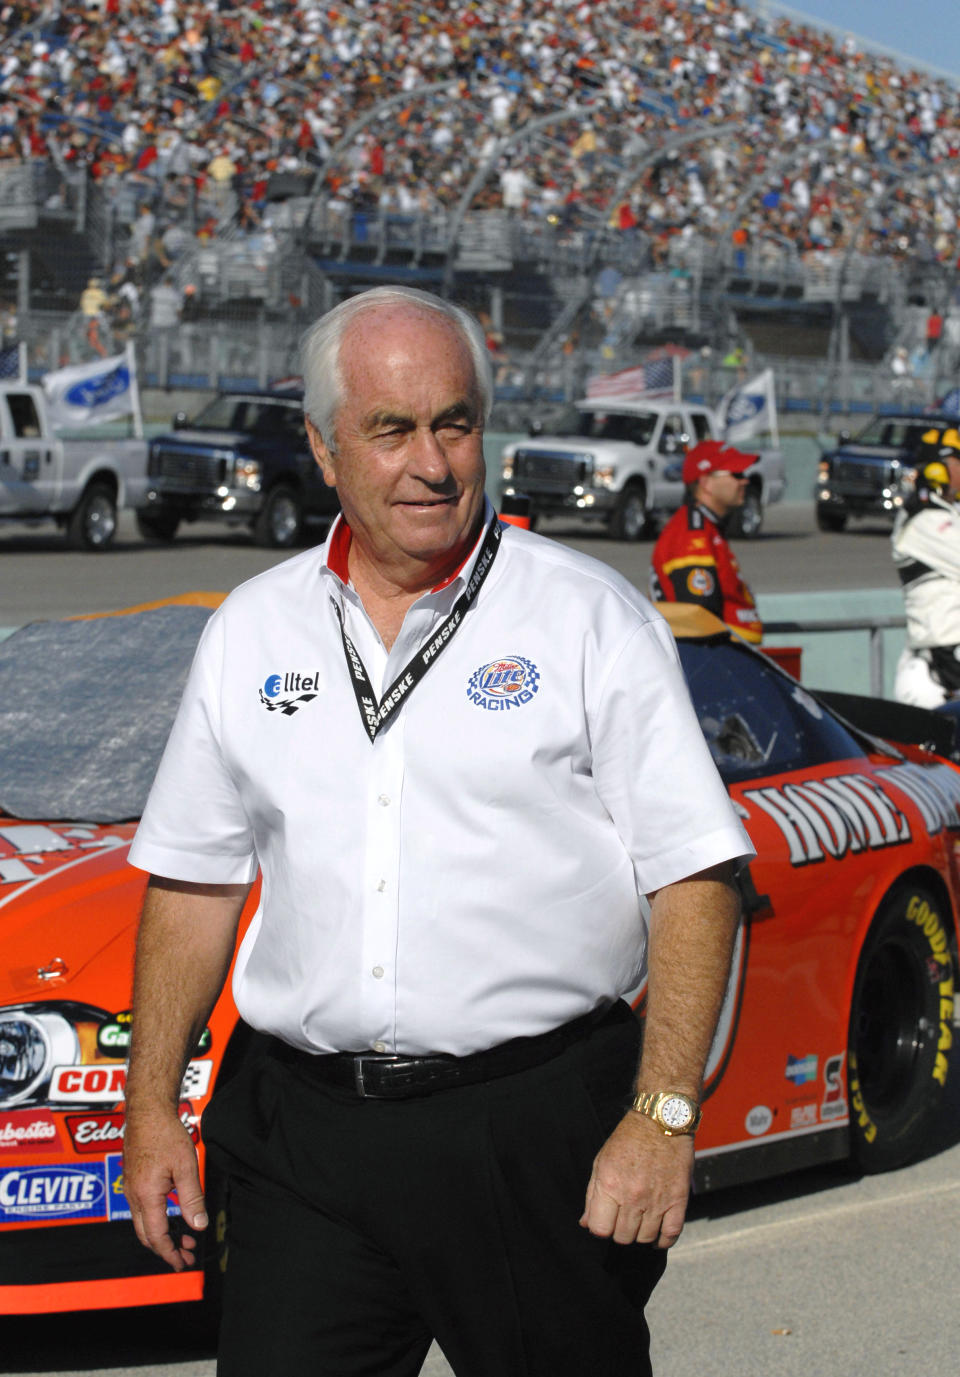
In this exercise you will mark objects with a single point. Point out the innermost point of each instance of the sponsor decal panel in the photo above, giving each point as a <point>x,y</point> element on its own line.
<point>97,1131</point>
<point>833,818</point>
<point>113,1036</point>
<point>54,1192</point>
<point>803,1116</point>
<point>29,850</point>
<point>118,1206</point>
<point>33,1129</point>
<point>801,1069</point>
<point>107,1084</point>
<point>834,1104</point>
<point>500,685</point>
<point>759,1120</point>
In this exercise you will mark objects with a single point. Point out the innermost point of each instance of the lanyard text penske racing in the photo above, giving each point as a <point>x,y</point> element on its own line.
<point>376,715</point>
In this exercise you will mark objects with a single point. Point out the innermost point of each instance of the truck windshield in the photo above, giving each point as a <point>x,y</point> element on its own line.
<point>897,432</point>
<point>615,425</point>
<point>253,415</point>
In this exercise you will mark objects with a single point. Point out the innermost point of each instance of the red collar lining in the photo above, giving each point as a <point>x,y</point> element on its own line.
<point>339,552</point>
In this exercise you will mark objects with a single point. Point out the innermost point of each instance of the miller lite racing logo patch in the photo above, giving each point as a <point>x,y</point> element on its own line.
<point>502,684</point>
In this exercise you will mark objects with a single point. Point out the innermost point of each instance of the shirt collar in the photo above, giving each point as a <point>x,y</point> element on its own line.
<point>337,551</point>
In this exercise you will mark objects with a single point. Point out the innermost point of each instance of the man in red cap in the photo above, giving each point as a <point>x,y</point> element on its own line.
<point>692,560</point>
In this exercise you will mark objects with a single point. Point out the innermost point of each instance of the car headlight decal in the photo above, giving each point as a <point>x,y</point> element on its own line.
<point>31,1044</point>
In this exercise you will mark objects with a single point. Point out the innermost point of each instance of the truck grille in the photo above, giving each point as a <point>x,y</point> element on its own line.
<point>188,469</point>
<point>862,477</point>
<point>551,470</point>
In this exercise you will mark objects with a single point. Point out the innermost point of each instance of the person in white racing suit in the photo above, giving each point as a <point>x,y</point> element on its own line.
<point>926,552</point>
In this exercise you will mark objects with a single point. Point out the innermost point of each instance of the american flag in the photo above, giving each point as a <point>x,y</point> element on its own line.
<point>652,378</point>
<point>10,362</point>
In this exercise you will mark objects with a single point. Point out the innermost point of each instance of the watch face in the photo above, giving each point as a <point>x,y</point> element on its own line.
<point>675,1113</point>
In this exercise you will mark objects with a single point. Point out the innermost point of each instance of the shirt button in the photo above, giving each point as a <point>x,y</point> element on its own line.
<point>379,1046</point>
<point>378,972</point>
<point>384,800</point>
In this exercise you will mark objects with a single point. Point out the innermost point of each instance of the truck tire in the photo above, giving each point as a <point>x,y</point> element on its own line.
<point>747,520</point>
<point>901,1018</point>
<point>93,521</point>
<point>158,526</point>
<point>831,521</point>
<point>630,517</point>
<point>280,521</point>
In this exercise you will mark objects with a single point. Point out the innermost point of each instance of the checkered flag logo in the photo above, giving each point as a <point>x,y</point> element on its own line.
<point>288,706</point>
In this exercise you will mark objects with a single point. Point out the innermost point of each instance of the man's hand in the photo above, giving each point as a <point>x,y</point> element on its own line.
<point>640,1183</point>
<point>159,1157</point>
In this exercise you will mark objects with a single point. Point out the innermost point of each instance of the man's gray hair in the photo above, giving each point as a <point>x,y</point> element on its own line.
<point>320,350</point>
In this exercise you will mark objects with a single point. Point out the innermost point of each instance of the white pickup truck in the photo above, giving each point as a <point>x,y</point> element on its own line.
<point>619,462</point>
<point>79,484</point>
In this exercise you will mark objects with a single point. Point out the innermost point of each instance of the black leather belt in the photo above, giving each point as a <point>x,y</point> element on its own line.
<point>380,1075</point>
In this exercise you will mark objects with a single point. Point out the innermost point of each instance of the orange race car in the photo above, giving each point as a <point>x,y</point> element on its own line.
<point>835,1034</point>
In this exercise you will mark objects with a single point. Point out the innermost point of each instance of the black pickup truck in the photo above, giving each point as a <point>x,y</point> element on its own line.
<point>866,475</point>
<point>245,461</point>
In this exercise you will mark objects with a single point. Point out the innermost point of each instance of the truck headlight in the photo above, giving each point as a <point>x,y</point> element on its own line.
<point>32,1043</point>
<point>823,471</point>
<point>506,468</point>
<point>246,473</point>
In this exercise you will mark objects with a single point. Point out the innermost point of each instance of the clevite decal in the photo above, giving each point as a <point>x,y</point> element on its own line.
<point>832,817</point>
<point>502,684</point>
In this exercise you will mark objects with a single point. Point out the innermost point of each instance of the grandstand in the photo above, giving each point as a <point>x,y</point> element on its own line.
<point>593,179</point>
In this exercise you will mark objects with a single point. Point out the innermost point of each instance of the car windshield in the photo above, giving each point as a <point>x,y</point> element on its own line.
<point>253,415</point>
<point>758,721</point>
<point>894,432</point>
<point>637,427</point>
<point>87,708</point>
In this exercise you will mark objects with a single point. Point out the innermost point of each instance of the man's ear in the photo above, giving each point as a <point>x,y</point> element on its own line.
<point>321,453</point>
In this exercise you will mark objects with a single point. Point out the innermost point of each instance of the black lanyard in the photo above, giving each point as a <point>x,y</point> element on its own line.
<point>375,715</point>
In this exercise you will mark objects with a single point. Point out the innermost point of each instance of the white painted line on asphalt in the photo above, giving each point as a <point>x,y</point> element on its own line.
<point>689,1248</point>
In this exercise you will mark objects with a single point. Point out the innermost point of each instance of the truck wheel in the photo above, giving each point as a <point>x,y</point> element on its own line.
<point>901,1021</point>
<point>159,526</point>
<point>629,520</point>
<point>281,519</point>
<point>831,521</point>
<point>93,521</point>
<point>748,519</point>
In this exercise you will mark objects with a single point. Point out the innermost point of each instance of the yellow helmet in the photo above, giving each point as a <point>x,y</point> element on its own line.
<point>930,437</point>
<point>935,474</point>
<point>950,439</point>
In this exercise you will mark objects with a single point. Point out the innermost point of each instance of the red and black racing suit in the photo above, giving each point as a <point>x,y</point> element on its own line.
<point>692,562</point>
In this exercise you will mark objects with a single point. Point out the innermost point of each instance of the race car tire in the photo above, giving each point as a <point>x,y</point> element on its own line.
<point>280,521</point>
<point>93,521</point>
<point>629,519</point>
<point>831,521</point>
<point>900,1032</point>
<point>161,527</point>
<point>747,520</point>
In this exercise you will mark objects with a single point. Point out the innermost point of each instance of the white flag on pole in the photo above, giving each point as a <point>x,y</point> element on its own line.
<point>750,409</point>
<point>87,393</point>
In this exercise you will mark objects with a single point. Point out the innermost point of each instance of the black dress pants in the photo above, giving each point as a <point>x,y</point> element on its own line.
<point>360,1229</point>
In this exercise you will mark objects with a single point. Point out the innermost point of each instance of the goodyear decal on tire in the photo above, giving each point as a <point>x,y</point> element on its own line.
<point>929,923</point>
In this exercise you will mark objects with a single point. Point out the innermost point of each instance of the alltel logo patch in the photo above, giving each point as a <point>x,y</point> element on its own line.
<point>503,684</point>
<point>286,691</point>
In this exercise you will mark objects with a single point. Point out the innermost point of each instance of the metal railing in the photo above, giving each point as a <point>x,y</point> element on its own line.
<point>873,626</point>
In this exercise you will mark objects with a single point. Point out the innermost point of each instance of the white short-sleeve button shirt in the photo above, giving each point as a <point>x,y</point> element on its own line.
<point>475,873</point>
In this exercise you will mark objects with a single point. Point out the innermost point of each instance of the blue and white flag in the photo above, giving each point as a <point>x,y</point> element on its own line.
<point>951,402</point>
<point>750,409</point>
<point>88,393</point>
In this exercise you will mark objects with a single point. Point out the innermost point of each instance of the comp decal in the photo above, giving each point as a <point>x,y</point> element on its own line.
<point>832,817</point>
<point>510,682</point>
<point>287,691</point>
<point>107,1084</point>
<point>54,1192</point>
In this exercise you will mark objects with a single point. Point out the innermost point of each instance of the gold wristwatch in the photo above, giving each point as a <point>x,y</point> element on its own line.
<point>672,1111</point>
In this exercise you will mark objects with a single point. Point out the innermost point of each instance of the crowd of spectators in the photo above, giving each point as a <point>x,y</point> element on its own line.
<point>200,111</point>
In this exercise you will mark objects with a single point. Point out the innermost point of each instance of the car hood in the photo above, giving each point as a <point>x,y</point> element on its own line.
<point>582,444</point>
<point>863,452</point>
<point>218,439</point>
<point>67,894</point>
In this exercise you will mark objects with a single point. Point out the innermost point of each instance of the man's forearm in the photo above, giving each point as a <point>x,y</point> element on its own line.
<point>184,947</point>
<point>692,930</point>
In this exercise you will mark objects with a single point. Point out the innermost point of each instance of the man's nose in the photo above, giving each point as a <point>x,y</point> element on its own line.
<point>428,458</point>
